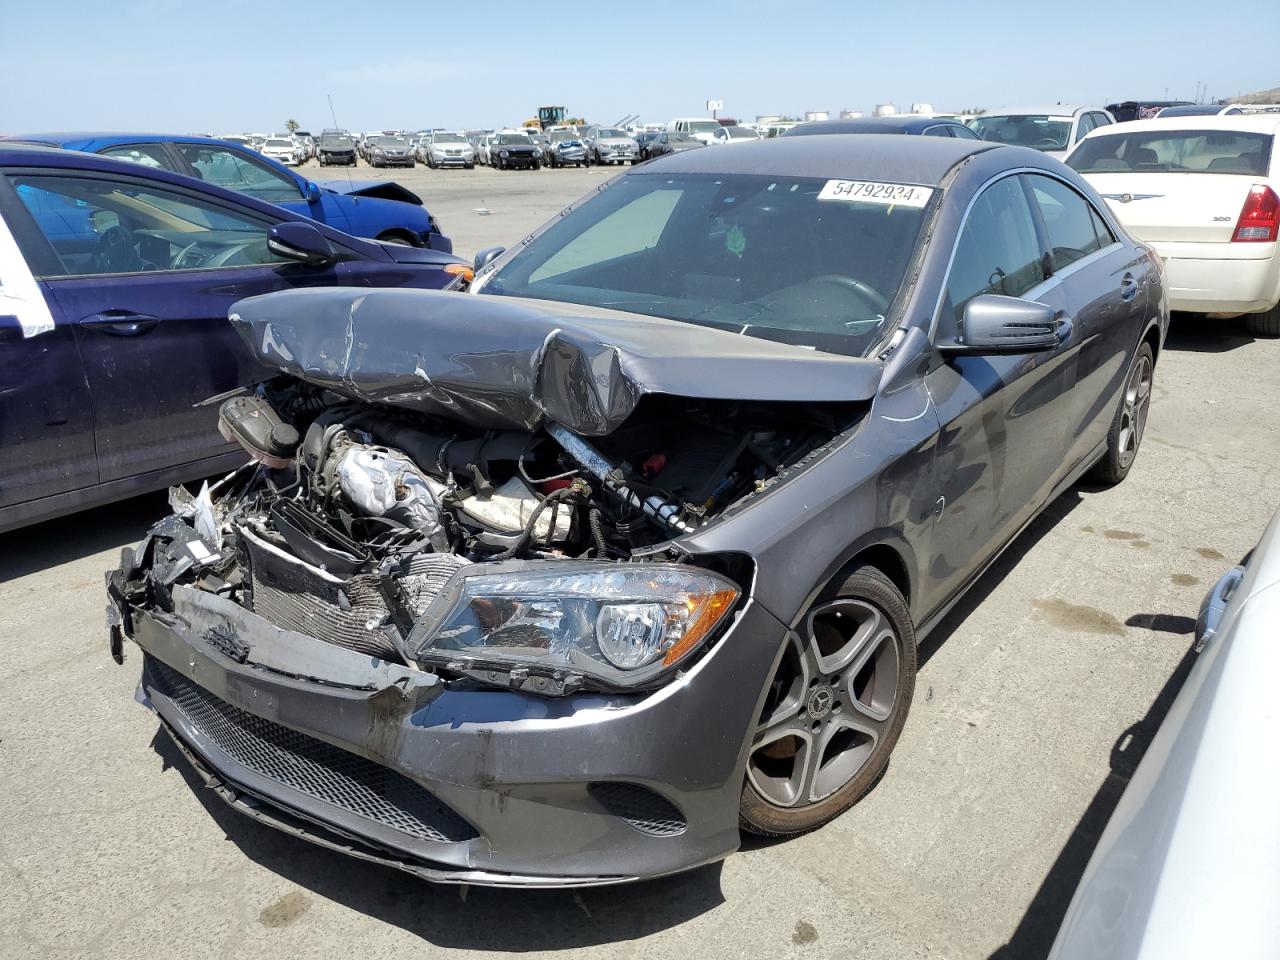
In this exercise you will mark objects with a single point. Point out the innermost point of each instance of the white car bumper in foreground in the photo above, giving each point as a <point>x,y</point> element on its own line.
<point>1226,278</point>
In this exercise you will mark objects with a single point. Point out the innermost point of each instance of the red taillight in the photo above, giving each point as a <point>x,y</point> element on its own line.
<point>1259,218</point>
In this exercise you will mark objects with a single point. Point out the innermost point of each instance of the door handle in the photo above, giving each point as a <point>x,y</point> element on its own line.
<point>1128,287</point>
<point>120,323</point>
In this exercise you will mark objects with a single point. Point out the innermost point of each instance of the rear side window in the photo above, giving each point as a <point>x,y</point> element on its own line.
<point>1068,219</point>
<point>1105,236</point>
<point>237,171</point>
<point>148,154</point>
<point>1175,151</point>
<point>998,251</point>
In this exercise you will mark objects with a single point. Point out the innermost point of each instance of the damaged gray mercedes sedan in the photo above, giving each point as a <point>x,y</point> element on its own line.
<point>570,578</point>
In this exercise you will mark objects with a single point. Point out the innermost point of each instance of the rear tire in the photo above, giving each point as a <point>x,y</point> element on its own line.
<point>835,708</point>
<point>1130,421</point>
<point>1264,324</point>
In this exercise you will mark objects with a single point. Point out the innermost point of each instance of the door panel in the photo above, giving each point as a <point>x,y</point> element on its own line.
<point>148,304</point>
<point>46,416</point>
<point>1102,284</point>
<point>1003,434</point>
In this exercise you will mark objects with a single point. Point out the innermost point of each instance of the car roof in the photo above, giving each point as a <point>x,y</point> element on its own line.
<point>1198,109</point>
<point>39,155</point>
<point>1055,110</point>
<point>898,124</point>
<point>92,142</point>
<point>1249,122</point>
<point>883,157</point>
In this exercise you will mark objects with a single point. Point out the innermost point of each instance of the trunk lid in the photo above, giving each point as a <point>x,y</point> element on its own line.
<point>1194,207</point>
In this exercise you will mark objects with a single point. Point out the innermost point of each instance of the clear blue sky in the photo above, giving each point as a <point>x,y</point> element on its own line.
<point>232,65</point>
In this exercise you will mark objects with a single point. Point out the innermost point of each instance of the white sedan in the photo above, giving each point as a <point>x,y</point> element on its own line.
<point>278,148</point>
<point>1189,864</point>
<point>733,134</point>
<point>1203,191</point>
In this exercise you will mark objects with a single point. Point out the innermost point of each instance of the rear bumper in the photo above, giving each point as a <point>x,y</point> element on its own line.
<point>448,781</point>
<point>1200,278</point>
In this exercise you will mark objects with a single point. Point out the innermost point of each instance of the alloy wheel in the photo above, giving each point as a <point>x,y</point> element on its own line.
<point>832,700</point>
<point>1136,404</point>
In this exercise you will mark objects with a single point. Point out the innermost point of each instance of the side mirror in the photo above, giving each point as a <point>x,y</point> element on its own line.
<point>299,241</point>
<point>993,324</point>
<point>487,256</point>
<point>313,191</point>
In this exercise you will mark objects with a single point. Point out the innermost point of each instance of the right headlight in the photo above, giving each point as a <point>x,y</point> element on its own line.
<point>621,625</point>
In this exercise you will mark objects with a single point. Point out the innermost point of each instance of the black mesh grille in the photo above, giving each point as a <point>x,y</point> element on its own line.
<point>317,769</point>
<point>640,807</point>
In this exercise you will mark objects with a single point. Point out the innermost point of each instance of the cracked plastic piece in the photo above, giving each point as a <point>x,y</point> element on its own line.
<point>508,363</point>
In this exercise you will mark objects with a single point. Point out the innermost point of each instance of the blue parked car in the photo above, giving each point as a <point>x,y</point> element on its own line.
<point>115,282</point>
<point>377,209</point>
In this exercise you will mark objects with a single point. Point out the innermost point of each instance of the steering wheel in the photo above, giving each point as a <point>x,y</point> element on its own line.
<point>175,262</point>
<point>1048,142</point>
<point>114,252</point>
<point>863,291</point>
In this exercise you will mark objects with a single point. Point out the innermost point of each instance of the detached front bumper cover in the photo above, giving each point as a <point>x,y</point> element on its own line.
<point>448,780</point>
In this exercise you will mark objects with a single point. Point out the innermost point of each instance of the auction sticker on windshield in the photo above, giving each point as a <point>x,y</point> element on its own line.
<point>866,191</point>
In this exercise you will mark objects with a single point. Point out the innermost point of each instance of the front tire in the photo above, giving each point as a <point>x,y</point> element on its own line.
<point>1130,421</point>
<point>835,708</point>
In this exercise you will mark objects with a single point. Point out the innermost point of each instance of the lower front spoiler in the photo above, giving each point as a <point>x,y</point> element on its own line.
<point>271,814</point>
<point>507,788</point>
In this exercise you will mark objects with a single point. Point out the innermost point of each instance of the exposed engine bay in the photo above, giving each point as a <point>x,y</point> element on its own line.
<point>351,518</point>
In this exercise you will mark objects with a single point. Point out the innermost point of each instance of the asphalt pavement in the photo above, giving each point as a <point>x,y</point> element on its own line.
<point>1034,700</point>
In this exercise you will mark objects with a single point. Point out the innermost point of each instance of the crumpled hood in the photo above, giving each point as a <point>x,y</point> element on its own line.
<point>509,363</point>
<point>383,189</point>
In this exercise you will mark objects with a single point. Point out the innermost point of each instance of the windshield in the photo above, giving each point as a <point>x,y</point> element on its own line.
<point>1038,132</point>
<point>447,138</point>
<point>609,133</point>
<point>563,135</point>
<point>704,126</point>
<point>758,255</point>
<point>392,142</point>
<point>1175,151</point>
<point>740,133</point>
<point>276,142</point>
<point>511,139</point>
<point>339,139</point>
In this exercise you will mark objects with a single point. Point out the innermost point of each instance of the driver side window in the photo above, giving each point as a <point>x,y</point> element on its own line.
<point>107,226</point>
<point>997,251</point>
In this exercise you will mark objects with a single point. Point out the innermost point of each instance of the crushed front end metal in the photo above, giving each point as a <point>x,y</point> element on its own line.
<point>441,628</point>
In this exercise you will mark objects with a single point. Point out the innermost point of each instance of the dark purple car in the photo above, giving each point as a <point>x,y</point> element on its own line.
<point>115,280</point>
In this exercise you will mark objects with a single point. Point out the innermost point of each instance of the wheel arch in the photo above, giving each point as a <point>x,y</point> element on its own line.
<point>886,550</point>
<point>1152,336</point>
<point>398,233</point>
